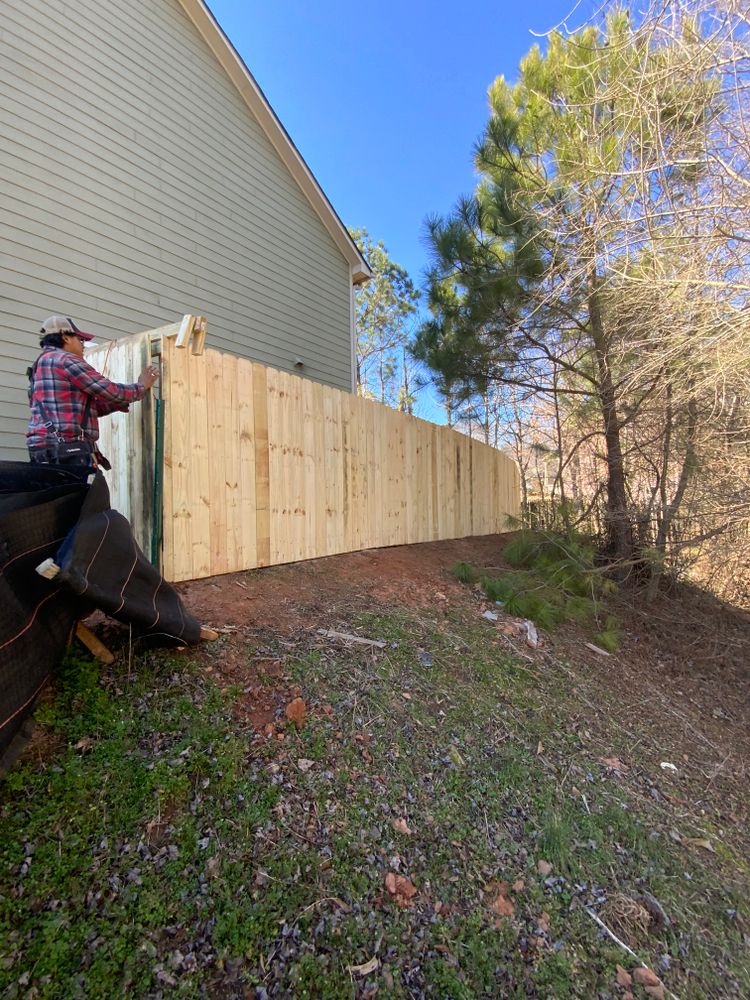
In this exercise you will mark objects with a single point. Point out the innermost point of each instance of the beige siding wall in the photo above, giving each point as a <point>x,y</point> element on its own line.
<point>137,186</point>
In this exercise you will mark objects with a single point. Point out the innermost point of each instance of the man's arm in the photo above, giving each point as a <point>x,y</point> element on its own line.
<point>103,409</point>
<point>86,378</point>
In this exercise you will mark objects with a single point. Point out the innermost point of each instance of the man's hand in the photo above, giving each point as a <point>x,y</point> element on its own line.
<point>148,376</point>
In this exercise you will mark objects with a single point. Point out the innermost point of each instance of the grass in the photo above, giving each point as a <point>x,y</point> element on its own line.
<point>162,851</point>
<point>464,573</point>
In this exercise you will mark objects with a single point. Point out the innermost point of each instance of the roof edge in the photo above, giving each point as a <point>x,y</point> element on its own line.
<point>217,40</point>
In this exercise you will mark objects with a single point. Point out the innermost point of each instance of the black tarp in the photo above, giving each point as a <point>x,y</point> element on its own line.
<point>53,512</point>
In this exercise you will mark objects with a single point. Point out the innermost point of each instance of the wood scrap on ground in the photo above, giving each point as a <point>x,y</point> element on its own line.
<point>94,645</point>
<point>348,637</point>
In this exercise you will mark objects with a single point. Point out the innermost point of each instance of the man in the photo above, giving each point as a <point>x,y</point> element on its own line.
<point>67,396</point>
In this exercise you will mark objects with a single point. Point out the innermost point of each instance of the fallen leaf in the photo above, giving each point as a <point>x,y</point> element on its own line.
<point>539,748</point>
<point>401,826</point>
<point>543,867</point>
<point>519,885</point>
<point>366,968</point>
<point>296,712</point>
<point>623,977</point>
<point>657,992</point>
<point>456,757</point>
<point>212,867</point>
<point>498,900</point>
<point>675,799</point>
<point>703,842</point>
<point>543,923</point>
<point>645,977</point>
<point>401,888</point>
<point>615,764</point>
<point>304,764</point>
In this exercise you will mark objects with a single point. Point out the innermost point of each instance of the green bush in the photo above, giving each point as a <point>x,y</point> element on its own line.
<point>556,580</point>
<point>464,573</point>
<point>609,637</point>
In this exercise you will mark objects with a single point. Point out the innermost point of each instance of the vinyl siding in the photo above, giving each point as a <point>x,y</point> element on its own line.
<point>138,186</point>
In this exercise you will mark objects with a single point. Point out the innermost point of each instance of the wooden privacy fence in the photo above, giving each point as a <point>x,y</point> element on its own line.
<point>261,467</point>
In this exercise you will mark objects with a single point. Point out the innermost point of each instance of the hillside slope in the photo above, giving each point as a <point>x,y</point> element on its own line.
<point>438,811</point>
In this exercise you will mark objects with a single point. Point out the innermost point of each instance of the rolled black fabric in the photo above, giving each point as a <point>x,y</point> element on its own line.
<point>52,512</point>
<point>101,562</point>
<point>39,505</point>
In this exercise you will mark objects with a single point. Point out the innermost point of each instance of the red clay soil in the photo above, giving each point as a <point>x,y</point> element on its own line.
<point>299,595</point>
<point>684,660</point>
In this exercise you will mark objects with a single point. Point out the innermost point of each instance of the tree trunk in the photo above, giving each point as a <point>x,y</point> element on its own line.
<point>670,511</point>
<point>619,529</point>
<point>559,480</point>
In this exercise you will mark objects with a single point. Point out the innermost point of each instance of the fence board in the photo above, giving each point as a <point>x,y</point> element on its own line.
<point>262,466</point>
<point>127,439</point>
<point>199,499</point>
<point>217,476</point>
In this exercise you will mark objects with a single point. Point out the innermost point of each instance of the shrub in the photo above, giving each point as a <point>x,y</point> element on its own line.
<point>556,580</point>
<point>464,573</point>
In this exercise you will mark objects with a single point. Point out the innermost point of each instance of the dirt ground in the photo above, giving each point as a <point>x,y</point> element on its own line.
<point>677,688</point>
<point>451,755</point>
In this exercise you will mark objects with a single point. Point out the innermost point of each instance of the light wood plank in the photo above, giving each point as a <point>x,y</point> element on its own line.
<point>262,465</point>
<point>318,458</point>
<point>218,486</point>
<point>178,466</point>
<point>199,483</point>
<point>231,444</point>
<point>246,513</point>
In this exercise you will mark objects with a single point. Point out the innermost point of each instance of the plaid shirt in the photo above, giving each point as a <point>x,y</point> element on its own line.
<point>62,382</point>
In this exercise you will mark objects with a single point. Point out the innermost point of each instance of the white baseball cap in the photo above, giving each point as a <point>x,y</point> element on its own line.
<point>63,324</point>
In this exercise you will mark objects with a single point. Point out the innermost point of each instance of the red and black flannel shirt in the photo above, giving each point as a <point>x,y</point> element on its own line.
<point>63,382</point>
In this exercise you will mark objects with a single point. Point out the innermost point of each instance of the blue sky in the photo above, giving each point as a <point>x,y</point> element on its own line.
<point>385,101</point>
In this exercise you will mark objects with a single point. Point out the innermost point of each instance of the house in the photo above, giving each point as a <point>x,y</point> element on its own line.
<point>146,176</point>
